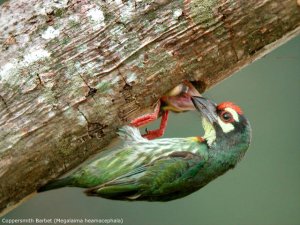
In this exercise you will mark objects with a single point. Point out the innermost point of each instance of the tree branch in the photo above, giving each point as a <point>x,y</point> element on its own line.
<point>72,72</point>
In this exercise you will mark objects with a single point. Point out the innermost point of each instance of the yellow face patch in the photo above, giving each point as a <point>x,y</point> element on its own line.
<point>210,133</point>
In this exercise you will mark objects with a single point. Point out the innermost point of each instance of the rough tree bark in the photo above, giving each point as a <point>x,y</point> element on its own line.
<point>72,72</point>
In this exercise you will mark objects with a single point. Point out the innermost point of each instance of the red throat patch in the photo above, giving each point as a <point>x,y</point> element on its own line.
<point>231,105</point>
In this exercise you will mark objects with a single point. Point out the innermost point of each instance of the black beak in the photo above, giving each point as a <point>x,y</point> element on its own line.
<point>206,107</point>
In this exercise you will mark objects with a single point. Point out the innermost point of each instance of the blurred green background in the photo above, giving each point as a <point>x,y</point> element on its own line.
<point>263,189</point>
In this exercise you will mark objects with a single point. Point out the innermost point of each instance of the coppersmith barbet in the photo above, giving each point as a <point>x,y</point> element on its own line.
<point>168,168</point>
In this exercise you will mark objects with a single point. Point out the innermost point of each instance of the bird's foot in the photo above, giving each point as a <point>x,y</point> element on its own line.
<point>145,119</point>
<point>152,134</point>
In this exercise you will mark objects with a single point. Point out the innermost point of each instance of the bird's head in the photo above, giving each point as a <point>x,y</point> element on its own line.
<point>178,99</point>
<point>224,123</point>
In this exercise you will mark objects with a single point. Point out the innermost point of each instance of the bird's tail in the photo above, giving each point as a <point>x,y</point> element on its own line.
<point>59,183</point>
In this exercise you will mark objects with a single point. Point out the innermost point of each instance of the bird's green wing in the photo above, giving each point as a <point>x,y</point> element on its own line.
<point>166,175</point>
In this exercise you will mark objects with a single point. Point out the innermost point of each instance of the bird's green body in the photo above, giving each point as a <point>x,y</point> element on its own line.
<point>160,169</point>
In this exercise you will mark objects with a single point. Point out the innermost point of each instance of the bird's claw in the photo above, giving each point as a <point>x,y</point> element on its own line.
<point>152,134</point>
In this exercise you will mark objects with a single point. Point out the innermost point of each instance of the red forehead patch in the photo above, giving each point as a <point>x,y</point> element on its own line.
<point>224,105</point>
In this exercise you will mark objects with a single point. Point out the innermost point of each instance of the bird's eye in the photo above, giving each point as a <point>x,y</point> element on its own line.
<point>226,117</point>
